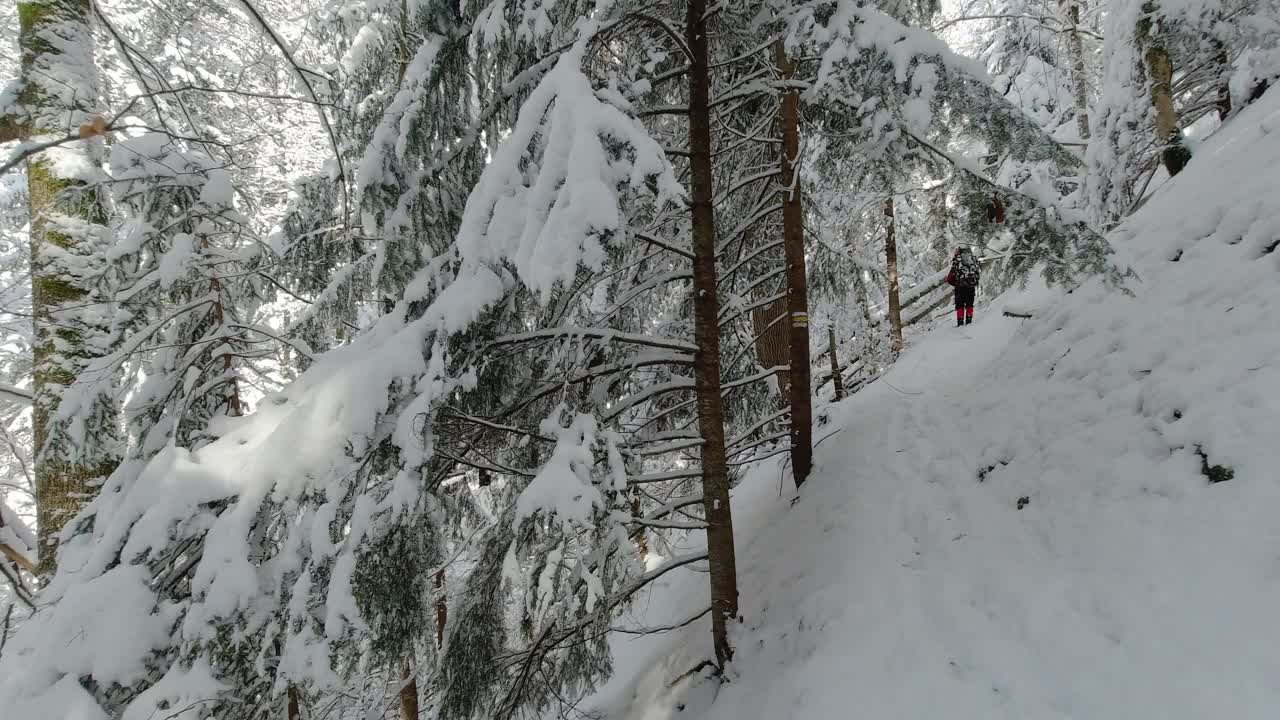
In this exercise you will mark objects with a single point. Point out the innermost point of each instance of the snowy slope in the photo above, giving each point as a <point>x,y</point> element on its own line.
<point>1129,586</point>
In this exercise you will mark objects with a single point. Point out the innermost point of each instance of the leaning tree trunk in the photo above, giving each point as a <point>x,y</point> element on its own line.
<point>891,270</point>
<point>1079,82</point>
<point>706,362</point>
<point>58,88</point>
<point>797,282</point>
<point>1159,66</point>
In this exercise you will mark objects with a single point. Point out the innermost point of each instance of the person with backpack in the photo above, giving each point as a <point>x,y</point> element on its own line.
<point>964,276</point>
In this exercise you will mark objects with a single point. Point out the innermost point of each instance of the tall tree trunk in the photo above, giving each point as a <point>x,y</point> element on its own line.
<point>835,364</point>
<point>58,88</point>
<point>1079,81</point>
<point>1174,153</point>
<point>891,270</point>
<point>797,282</point>
<point>706,363</point>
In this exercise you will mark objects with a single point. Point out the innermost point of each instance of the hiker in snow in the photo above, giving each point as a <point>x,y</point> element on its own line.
<point>964,278</point>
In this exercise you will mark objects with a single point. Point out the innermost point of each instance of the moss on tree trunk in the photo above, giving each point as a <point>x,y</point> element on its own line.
<point>61,301</point>
<point>1159,67</point>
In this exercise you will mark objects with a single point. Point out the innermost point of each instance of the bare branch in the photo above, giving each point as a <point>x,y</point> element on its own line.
<point>302,74</point>
<point>662,628</point>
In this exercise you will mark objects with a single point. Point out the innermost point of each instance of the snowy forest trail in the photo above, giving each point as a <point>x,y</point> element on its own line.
<point>900,585</point>
<point>1027,518</point>
<point>883,581</point>
<point>877,583</point>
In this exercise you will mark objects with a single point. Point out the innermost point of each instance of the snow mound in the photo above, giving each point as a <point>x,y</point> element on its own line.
<point>1064,516</point>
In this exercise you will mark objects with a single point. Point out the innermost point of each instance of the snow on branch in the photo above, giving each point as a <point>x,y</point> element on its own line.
<point>598,333</point>
<point>555,188</point>
<point>17,541</point>
<point>15,394</point>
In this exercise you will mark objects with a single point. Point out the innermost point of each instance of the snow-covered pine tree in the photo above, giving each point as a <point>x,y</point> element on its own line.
<point>511,174</point>
<point>1169,67</point>
<point>929,106</point>
<point>185,279</point>
<point>299,526</point>
<point>1032,58</point>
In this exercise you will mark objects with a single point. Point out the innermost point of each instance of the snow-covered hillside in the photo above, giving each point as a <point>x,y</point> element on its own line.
<point>1018,520</point>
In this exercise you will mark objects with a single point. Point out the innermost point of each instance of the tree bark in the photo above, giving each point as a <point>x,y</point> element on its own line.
<point>1224,75</point>
<point>294,711</point>
<point>11,128</point>
<point>706,364</point>
<point>891,268</point>
<point>442,609</point>
<point>1079,83</point>
<point>57,89</point>
<point>408,692</point>
<point>773,342</point>
<point>638,535</point>
<point>235,407</point>
<point>1174,153</point>
<point>835,365</point>
<point>797,280</point>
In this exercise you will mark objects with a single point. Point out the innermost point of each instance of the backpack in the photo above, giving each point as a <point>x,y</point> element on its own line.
<point>964,269</point>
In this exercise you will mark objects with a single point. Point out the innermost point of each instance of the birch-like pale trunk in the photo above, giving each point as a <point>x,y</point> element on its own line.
<point>1159,66</point>
<point>59,87</point>
<point>1079,80</point>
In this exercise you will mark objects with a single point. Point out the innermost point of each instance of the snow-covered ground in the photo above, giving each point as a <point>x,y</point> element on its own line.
<point>906,581</point>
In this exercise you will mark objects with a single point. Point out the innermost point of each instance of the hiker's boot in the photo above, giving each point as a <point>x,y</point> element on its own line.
<point>959,317</point>
<point>968,316</point>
